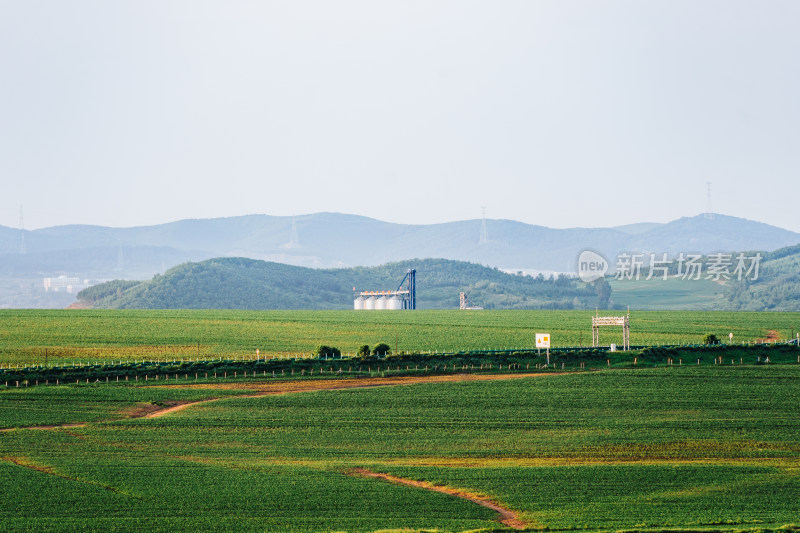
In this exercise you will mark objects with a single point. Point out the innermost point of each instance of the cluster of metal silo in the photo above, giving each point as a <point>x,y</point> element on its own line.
<point>378,302</point>
<point>389,300</point>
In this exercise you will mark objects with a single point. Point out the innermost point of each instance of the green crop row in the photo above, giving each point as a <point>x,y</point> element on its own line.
<point>413,363</point>
<point>666,448</point>
<point>73,336</point>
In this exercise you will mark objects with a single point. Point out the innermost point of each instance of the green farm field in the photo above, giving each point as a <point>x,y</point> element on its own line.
<point>707,448</point>
<point>66,336</point>
<point>673,293</point>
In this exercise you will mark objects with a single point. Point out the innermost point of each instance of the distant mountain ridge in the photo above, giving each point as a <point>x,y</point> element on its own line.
<point>329,240</point>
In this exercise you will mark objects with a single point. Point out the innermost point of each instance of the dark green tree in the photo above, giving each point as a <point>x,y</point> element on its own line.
<point>603,291</point>
<point>382,349</point>
<point>328,351</point>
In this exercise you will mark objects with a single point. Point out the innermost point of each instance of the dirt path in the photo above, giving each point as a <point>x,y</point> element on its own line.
<point>62,426</point>
<point>290,387</point>
<point>174,408</point>
<point>27,463</point>
<point>146,411</point>
<point>507,516</point>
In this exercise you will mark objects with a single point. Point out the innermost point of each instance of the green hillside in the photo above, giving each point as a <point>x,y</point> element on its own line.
<point>239,283</point>
<point>673,293</point>
<point>777,287</point>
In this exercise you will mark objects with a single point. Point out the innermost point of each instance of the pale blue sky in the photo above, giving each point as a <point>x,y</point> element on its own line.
<point>559,113</point>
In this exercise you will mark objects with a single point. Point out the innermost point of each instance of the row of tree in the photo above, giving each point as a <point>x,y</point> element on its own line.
<point>330,352</point>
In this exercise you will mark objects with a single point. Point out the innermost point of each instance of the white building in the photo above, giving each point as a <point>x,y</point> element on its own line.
<point>65,284</point>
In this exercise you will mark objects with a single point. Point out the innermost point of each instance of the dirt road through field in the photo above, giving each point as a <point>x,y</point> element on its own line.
<point>295,386</point>
<point>507,516</point>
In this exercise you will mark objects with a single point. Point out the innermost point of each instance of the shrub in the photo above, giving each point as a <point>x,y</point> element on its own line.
<point>328,351</point>
<point>382,349</point>
<point>710,338</point>
<point>364,351</point>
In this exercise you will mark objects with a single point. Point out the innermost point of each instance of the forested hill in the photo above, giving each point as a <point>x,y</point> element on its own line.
<point>777,287</point>
<point>239,283</point>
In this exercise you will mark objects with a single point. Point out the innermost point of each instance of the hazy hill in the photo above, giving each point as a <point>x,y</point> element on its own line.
<point>337,240</point>
<point>240,283</point>
<point>332,240</point>
<point>777,287</point>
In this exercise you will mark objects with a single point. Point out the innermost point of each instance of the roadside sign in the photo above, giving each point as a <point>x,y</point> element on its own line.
<point>542,340</point>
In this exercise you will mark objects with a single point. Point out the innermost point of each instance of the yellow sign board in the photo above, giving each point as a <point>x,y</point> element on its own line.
<point>542,340</point>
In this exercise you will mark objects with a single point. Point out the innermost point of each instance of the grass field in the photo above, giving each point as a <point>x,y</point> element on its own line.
<point>673,293</point>
<point>59,337</point>
<point>697,448</point>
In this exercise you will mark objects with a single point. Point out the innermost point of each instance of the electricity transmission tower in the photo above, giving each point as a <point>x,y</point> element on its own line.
<point>709,214</point>
<point>484,238</point>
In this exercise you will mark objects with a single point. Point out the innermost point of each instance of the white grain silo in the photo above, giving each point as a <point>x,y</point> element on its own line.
<point>369,303</point>
<point>394,303</point>
<point>358,303</point>
<point>380,303</point>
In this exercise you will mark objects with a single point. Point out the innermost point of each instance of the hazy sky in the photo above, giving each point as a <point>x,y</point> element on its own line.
<point>558,113</point>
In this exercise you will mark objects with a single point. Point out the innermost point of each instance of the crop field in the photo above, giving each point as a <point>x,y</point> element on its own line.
<point>68,336</point>
<point>669,448</point>
<point>673,293</point>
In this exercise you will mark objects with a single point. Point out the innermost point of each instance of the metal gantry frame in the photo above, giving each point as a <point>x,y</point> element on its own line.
<point>411,301</point>
<point>623,321</point>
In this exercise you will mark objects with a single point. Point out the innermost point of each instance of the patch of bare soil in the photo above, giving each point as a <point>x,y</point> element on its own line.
<point>146,410</point>
<point>80,305</point>
<point>27,463</point>
<point>295,386</point>
<point>507,516</point>
<point>62,426</point>
<point>289,386</point>
<point>20,461</point>
<point>772,336</point>
<point>161,411</point>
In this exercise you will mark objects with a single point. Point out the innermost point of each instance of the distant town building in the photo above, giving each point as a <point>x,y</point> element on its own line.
<point>65,284</point>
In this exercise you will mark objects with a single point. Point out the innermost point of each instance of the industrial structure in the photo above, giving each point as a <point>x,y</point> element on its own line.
<point>402,298</point>
<point>63,283</point>
<point>623,321</point>
<point>464,302</point>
